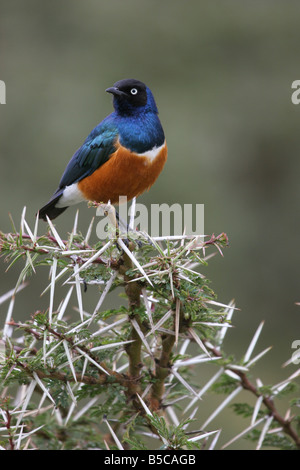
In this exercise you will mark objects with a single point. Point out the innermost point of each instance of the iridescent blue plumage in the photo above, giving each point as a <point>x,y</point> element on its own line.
<point>138,128</point>
<point>134,125</point>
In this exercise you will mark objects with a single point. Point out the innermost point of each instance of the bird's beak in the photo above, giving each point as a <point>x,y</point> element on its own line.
<point>115,91</point>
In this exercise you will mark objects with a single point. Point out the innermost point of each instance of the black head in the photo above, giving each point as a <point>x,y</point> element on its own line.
<point>129,93</point>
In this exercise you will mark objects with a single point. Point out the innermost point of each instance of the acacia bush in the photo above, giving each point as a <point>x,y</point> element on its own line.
<point>127,377</point>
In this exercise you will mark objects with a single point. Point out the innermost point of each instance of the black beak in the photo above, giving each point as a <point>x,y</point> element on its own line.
<point>115,91</point>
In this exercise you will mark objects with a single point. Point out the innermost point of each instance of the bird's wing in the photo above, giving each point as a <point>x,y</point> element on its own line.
<point>91,155</point>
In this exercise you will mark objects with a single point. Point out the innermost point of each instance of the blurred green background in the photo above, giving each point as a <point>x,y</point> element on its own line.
<point>221,73</point>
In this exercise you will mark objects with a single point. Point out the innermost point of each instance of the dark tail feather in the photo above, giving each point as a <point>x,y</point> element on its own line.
<point>50,210</point>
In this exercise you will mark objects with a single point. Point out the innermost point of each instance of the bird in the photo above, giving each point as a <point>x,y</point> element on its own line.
<point>121,157</point>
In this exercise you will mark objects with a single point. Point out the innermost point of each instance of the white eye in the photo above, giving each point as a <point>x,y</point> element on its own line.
<point>133,91</point>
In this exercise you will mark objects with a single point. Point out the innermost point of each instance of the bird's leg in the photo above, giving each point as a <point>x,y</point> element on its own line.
<point>121,228</point>
<point>110,212</point>
<point>120,222</point>
<point>114,218</point>
<point>134,234</point>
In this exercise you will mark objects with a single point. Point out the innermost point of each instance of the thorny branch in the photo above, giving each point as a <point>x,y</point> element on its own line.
<point>267,400</point>
<point>162,357</point>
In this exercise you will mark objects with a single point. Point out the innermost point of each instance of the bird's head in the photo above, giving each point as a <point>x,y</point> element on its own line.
<point>132,96</point>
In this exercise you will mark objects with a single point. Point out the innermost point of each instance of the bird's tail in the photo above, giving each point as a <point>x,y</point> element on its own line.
<point>49,209</point>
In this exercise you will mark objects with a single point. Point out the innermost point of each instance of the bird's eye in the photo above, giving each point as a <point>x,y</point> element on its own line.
<point>133,91</point>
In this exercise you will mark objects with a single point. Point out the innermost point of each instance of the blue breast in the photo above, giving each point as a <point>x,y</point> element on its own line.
<point>139,128</point>
<point>140,133</point>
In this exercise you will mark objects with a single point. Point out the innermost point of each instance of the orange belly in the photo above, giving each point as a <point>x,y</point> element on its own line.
<point>124,174</point>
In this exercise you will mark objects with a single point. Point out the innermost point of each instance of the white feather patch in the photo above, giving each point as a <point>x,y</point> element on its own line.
<point>71,195</point>
<point>152,154</point>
